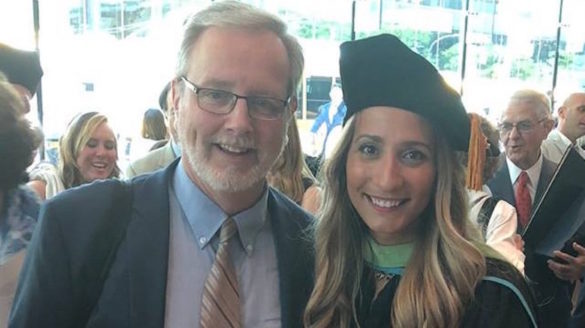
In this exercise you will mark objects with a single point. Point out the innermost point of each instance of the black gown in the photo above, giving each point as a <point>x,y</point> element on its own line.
<point>494,305</point>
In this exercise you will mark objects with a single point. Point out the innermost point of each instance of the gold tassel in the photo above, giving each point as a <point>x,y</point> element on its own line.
<point>476,154</point>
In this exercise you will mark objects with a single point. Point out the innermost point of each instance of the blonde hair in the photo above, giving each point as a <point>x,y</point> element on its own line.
<point>78,133</point>
<point>290,167</point>
<point>445,267</point>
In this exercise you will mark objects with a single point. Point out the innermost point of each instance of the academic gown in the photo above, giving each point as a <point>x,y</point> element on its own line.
<point>494,305</point>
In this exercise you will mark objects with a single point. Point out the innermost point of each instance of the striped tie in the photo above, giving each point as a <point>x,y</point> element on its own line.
<point>220,306</point>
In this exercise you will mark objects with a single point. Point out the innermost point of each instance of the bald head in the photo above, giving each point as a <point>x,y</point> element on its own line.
<point>572,116</point>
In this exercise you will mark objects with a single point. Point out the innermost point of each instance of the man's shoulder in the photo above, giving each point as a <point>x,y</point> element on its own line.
<point>284,208</point>
<point>150,162</point>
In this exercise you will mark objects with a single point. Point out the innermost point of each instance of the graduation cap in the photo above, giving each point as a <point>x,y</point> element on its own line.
<point>383,71</point>
<point>21,67</point>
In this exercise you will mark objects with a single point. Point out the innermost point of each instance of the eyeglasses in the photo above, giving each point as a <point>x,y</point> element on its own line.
<point>223,102</point>
<point>522,126</point>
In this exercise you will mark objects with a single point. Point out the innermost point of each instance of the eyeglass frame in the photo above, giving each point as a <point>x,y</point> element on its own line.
<point>235,97</point>
<point>518,127</point>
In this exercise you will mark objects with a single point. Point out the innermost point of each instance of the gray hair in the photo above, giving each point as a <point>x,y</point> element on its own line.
<point>539,101</point>
<point>235,14</point>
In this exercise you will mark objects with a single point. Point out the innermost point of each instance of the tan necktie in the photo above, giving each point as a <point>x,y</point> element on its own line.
<point>220,306</point>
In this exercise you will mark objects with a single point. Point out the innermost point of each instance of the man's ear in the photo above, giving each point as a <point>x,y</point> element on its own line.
<point>562,112</point>
<point>176,95</point>
<point>293,104</point>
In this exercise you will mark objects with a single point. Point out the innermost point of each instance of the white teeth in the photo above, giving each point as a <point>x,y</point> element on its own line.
<point>233,149</point>
<point>384,202</point>
<point>99,165</point>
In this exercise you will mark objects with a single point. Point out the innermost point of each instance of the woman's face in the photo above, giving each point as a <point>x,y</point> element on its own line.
<point>97,159</point>
<point>390,172</point>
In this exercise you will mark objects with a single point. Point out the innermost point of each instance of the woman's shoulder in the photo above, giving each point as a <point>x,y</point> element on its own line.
<point>502,299</point>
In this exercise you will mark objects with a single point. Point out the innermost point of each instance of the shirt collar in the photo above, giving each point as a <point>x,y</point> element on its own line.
<point>205,217</point>
<point>176,148</point>
<point>562,137</point>
<point>533,172</point>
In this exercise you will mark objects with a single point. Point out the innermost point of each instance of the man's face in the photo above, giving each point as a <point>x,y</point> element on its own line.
<point>523,144</point>
<point>230,154</point>
<point>572,116</point>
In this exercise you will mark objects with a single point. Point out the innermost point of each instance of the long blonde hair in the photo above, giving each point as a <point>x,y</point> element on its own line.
<point>442,274</point>
<point>290,167</point>
<point>78,133</point>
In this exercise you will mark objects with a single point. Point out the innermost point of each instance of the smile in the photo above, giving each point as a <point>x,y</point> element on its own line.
<point>385,203</point>
<point>100,165</point>
<point>233,149</point>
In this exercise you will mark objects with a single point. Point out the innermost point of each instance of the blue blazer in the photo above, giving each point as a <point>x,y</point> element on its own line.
<point>552,294</point>
<point>52,281</point>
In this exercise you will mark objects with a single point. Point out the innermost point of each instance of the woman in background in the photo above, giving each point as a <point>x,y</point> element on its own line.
<point>88,151</point>
<point>19,206</point>
<point>291,175</point>
<point>394,245</point>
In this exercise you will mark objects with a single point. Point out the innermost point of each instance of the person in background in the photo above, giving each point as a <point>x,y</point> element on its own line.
<point>394,245</point>
<point>291,175</point>
<point>169,151</point>
<point>496,218</point>
<point>208,228</point>
<point>153,131</point>
<point>571,126</point>
<point>521,181</point>
<point>19,206</point>
<point>153,125</point>
<point>88,151</point>
<point>331,115</point>
<point>23,70</point>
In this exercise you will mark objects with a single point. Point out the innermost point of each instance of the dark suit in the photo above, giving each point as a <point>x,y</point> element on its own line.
<point>133,295</point>
<point>552,294</point>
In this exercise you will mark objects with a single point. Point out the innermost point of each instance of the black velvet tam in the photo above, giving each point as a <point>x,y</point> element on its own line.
<point>383,71</point>
<point>21,67</point>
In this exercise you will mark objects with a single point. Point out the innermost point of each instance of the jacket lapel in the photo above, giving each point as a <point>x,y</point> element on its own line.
<point>501,186</point>
<point>148,245</point>
<point>295,260</point>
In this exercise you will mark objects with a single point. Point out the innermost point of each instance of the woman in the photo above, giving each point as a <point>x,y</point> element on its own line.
<point>394,246</point>
<point>291,175</point>
<point>88,151</point>
<point>19,206</point>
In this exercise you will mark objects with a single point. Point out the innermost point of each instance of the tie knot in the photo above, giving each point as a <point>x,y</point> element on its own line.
<point>523,178</point>
<point>228,230</point>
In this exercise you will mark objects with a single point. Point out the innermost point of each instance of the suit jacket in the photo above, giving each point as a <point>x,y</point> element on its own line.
<point>154,160</point>
<point>133,294</point>
<point>552,294</point>
<point>501,186</point>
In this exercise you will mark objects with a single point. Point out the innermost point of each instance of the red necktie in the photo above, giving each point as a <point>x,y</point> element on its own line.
<point>523,200</point>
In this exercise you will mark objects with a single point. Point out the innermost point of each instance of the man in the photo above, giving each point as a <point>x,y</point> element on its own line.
<point>571,127</point>
<point>23,70</point>
<point>234,94</point>
<point>163,156</point>
<point>521,182</point>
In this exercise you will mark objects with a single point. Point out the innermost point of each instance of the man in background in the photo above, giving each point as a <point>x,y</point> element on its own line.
<point>571,127</point>
<point>521,181</point>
